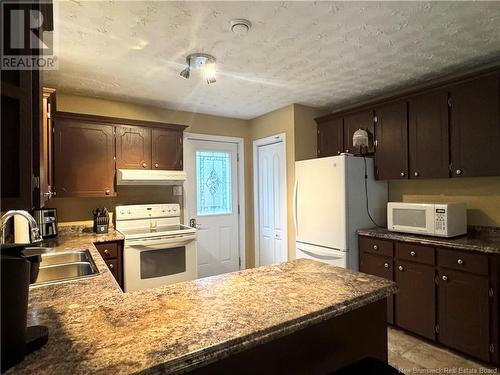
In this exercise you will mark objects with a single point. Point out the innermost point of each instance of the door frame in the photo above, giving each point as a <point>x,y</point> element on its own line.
<point>240,161</point>
<point>276,138</point>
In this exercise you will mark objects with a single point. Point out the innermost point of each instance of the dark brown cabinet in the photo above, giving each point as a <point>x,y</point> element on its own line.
<point>382,267</point>
<point>463,312</point>
<point>447,129</point>
<point>445,294</point>
<point>18,123</point>
<point>112,253</point>
<point>475,127</point>
<point>330,137</point>
<point>133,147</point>
<point>46,150</point>
<point>84,158</point>
<point>428,135</point>
<point>391,140</point>
<point>360,120</point>
<point>415,301</point>
<point>166,149</point>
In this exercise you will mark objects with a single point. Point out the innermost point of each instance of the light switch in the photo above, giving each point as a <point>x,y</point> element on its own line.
<point>177,190</point>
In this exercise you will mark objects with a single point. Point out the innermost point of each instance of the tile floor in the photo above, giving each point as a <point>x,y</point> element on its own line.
<point>412,355</point>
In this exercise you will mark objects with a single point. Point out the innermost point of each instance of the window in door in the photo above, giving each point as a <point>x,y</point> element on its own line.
<point>213,182</point>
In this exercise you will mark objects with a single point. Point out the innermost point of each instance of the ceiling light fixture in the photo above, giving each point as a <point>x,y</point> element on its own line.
<point>203,62</point>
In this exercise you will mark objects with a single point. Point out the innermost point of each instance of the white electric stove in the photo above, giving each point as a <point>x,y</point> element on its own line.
<point>159,250</point>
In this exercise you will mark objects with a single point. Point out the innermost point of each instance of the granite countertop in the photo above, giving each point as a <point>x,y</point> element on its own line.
<point>95,327</point>
<point>479,239</point>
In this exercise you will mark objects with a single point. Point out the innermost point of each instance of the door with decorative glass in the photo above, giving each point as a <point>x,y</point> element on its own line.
<point>212,203</point>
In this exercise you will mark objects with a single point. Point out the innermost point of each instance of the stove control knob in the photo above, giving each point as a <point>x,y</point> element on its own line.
<point>122,212</point>
<point>128,212</point>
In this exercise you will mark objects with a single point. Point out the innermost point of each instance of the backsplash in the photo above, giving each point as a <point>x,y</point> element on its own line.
<point>78,211</point>
<point>481,194</point>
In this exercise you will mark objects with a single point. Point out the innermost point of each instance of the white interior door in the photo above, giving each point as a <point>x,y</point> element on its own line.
<point>212,201</point>
<point>271,203</point>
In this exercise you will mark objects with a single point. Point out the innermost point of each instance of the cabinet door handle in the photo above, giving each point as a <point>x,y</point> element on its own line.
<point>402,174</point>
<point>386,265</point>
<point>416,174</point>
<point>106,251</point>
<point>107,191</point>
<point>144,165</point>
<point>445,278</point>
<point>460,261</point>
<point>347,150</point>
<point>375,247</point>
<point>458,171</point>
<point>401,268</point>
<point>412,253</point>
<point>156,165</point>
<point>111,266</point>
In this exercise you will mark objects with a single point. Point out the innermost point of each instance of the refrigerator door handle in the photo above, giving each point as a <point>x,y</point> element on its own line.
<point>320,254</point>
<point>295,197</point>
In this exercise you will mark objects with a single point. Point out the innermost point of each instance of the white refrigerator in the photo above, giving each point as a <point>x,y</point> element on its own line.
<point>330,205</point>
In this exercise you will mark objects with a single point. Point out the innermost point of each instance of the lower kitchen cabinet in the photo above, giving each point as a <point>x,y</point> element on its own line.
<point>446,294</point>
<point>463,312</point>
<point>416,300</point>
<point>382,267</point>
<point>112,253</point>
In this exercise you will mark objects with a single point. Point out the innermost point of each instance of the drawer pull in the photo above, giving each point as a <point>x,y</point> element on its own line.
<point>401,268</point>
<point>106,251</point>
<point>460,261</point>
<point>445,278</point>
<point>375,247</point>
<point>111,266</point>
<point>412,253</point>
<point>386,265</point>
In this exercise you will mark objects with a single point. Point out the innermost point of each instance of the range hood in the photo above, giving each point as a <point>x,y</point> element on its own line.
<point>149,177</point>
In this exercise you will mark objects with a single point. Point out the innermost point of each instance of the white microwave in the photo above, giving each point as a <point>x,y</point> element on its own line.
<point>443,220</point>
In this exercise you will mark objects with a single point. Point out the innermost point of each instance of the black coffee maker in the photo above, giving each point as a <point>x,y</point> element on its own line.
<point>19,268</point>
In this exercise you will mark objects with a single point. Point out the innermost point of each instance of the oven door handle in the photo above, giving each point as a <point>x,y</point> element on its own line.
<point>160,242</point>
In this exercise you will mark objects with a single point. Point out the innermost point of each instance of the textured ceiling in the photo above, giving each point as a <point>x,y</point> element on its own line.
<point>321,54</point>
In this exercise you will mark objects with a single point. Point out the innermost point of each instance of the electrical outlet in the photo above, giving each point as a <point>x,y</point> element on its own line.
<point>177,190</point>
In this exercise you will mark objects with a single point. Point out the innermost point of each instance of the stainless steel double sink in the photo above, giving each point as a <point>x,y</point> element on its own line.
<point>58,267</point>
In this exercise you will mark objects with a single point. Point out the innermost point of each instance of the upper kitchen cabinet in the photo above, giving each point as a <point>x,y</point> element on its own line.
<point>391,137</point>
<point>359,120</point>
<point>428,135</point>
<point>18,121</point>
<point>84,158</point>
<point>133,147</point>
<point>166,151</point>
<point>46,146</point>
<point>330,137</point>
<point>475,127</point>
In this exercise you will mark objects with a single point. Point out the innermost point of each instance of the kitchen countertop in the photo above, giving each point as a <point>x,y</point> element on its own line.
<point>479,239</point>
<point>95,327</point>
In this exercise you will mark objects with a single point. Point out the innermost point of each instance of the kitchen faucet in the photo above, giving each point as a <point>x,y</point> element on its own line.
<point>35,235</point>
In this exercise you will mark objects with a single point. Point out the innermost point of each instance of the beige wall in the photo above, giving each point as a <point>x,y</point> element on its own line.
<point>482,195</point>
<point>79,209</point>
<point>305,131</point>
<point>276,122</point>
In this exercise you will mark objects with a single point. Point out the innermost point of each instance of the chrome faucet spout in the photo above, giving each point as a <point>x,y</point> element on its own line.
<point>35,235</point>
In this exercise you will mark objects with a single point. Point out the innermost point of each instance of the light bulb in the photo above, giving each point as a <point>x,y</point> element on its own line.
<point>210,73</point>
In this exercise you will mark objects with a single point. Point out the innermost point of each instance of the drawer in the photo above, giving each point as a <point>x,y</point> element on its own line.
<point>113,267</point>
<point>108,250</point>
<point>463,261</point>
<point>375,246</point>
<point>415,253</point>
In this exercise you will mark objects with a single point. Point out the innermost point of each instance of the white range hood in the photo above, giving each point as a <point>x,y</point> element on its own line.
<point>149,177</point>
